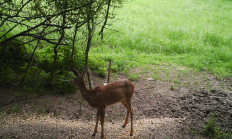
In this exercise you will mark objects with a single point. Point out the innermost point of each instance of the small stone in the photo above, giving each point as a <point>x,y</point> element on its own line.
<point>150,79</point>
<point>76,115</point>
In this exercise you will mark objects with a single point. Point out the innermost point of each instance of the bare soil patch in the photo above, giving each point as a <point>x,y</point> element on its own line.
<point>175,105</point>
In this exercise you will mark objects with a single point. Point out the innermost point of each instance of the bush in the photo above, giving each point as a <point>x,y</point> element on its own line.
<point>13,55</point>
<point>36,80</point>
<point>62,85</point>
<point>7,76</point>
<point>99,66</point>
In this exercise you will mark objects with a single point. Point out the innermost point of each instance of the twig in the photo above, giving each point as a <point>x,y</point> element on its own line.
<point>108,81</point>
<point>107,13</point>
<point>79,103</point>
<point>22,100</point>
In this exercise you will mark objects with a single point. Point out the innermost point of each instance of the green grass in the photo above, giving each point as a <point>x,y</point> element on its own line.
<point>214,130</point>
<point>15,109</point>
<point>133,76</point>
<point>192,33</point>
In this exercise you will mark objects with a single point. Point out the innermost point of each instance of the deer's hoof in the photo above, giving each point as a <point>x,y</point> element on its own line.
<point>131,134</point>
<point>93,135</point>
<point>123,126</point>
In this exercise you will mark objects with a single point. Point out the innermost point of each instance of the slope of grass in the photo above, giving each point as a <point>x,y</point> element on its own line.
<point>193,33</point>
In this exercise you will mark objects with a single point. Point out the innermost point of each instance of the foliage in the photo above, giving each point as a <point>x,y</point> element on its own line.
<point>180,32</point>
<point>62,85</point>
<point>13,55</point>
<point>99,66</point>
<point>41,40</point>
<point>7,76</point>
<point>215,131</point>
<point>36,80</point>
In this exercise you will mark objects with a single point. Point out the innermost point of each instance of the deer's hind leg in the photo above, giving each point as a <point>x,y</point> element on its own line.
<point>131,113</point>
<point>98,117</point>
<point>127,115</point>
<point>102,115</point>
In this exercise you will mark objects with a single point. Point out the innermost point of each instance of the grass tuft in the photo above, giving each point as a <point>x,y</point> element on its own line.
<point>213,130</point>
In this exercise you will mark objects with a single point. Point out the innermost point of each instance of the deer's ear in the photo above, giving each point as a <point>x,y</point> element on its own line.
<point>76,73</point>
<point>84,71</point>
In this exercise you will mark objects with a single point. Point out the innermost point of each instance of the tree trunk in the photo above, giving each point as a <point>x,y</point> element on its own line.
<point>73,50</point>
<point>89,42</point>
<point>90,28</point>
<point>88,72</point>
<point>38,42</point>
<point>62,32</point>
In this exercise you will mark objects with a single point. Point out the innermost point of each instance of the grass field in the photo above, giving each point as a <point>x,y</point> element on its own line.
<point>192,33</point>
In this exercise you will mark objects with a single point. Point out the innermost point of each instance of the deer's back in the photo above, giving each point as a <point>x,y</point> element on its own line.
<point>113,92</point>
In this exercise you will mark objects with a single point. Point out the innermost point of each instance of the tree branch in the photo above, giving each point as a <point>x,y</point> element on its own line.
<point>107,14</point>
<point>48,17</point>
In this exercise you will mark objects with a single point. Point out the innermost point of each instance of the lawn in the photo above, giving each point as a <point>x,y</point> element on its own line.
<point>192,33</point>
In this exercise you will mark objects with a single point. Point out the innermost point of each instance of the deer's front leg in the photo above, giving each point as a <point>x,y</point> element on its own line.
<point>102,115</point>
<point>98,116</point>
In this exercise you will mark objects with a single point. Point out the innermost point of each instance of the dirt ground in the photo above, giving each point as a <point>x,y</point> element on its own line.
<point>178,104</point>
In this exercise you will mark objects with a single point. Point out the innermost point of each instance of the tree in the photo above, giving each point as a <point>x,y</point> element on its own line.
<point>53,23</point>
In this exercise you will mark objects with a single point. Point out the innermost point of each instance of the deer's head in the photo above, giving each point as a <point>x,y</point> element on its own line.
<point>78,77</point>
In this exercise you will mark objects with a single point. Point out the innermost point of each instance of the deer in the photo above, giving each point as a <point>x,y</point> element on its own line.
<point>102,96</point>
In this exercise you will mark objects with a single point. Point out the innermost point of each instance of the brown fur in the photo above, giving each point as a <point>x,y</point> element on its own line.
<point>103,96</point>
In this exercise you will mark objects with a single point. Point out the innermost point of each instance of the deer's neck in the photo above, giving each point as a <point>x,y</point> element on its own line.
<point>84,90</point>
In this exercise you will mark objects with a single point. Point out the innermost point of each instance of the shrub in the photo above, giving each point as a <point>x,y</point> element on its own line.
<point>7,76</point>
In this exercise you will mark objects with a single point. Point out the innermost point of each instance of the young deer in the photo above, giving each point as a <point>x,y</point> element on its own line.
<point>102,96</point>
